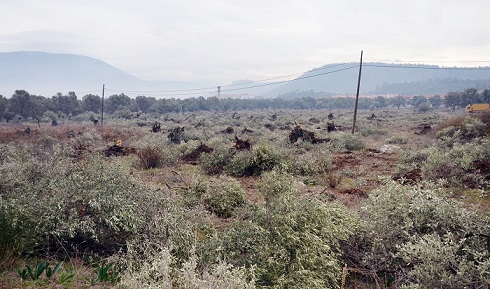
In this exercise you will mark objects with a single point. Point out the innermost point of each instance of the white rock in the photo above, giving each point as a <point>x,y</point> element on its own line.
<point>389,149</point>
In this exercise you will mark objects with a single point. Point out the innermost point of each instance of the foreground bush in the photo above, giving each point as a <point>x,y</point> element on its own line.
<point>157,271</point>
<point>419,238</point>
<point>17,232</point>
<point>224,196</point>
<point>87,205</point>
<point>293,242</point>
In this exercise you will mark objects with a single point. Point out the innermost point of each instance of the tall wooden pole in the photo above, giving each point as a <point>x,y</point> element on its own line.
<point>357,95</point>
<point>102,119</point>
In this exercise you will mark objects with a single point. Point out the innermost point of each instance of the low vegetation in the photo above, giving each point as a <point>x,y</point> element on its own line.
<point>401,203</point>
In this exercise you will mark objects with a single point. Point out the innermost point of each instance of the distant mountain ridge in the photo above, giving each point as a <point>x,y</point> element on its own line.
<point>48,73</point>
<point>383,78</point>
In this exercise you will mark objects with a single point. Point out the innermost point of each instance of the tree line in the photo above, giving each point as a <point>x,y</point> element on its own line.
<point>23,105</point>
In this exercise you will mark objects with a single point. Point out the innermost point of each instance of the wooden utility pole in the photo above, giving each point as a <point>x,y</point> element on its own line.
<point>102,119</point>
<point>357,95</point>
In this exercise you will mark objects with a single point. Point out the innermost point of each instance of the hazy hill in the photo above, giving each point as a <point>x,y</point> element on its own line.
<point>48,73</point>
<point>382,78</point>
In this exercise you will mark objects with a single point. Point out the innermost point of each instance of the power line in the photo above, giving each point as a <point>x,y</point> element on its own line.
<point>431,61</point>
<point>241,88</point>
<point>91,91</point>
<point>296,79</point>
<point>289,75</point>
<point>428,67</point>
<point>256,84</point>
<point>133,92</point>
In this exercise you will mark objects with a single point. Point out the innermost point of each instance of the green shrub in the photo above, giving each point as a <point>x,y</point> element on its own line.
<point>418,231</point>
<point>311,163</point>
<point>458,156</point>
<point>244,243</point>
<point>86,116</point>
<point>373,130</point>
<point>170,155</point>
<point>294,242</point>
<point>171,222</point>
<point>220,196</point>
<point>224,196</point>
<point>18,231</point>
<point>470,129</point>
<point>485,118</point>
<point>397,140</point>
<point>87,205</point>
<point>100,207</point>
<point>333,179</point>
<point>261,158</point>
<point>214,162</point>
<point>410,160</point>
<point>195,194</point>
<point>446,261</point>
<point>350,142</point>
<point>264,158</point>
<point>458,164</point>
<point>239,165</point>
<point>84,143</point>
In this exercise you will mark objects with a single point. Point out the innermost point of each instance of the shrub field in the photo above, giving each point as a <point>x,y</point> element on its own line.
<point>247,199</point>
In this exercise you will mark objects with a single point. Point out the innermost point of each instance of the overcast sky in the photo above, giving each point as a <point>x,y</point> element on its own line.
<point>222,41</point>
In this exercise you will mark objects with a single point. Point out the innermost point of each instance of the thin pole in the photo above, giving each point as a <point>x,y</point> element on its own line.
<point>357,95</point>
<point>102,119</point>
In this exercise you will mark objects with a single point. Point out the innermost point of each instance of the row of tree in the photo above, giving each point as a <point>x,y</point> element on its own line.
<point>23,105</point>
<point>431,86</point>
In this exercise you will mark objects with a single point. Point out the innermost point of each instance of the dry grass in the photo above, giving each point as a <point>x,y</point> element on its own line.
<point>111,133</point>
<point>451,122</point>
<point>17,133</point>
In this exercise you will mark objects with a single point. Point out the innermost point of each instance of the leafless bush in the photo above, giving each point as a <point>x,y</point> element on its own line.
<point>150,157</point>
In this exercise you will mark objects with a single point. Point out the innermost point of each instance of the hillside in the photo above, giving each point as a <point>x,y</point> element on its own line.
<point>48,73</point>
<point>381,78</point>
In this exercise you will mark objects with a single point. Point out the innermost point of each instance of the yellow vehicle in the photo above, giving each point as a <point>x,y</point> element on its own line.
<point>478,107</point>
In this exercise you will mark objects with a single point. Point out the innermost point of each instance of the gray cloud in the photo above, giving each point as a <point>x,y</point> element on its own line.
<point>43,40</point>
<point>223,41</point>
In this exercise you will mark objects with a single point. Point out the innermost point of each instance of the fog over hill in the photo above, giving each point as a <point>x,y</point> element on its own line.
<point>382,78</point>
<point>46,74</point>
